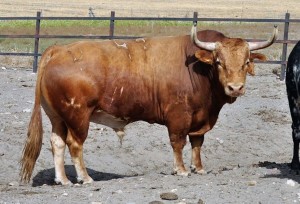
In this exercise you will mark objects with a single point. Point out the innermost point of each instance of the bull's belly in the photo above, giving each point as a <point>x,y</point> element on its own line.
<point>101,117</point>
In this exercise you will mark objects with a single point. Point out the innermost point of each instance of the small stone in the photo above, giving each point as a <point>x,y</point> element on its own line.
<point>156,202</point>
<point>14,183</point>
<point>252,183</point>
<point>169,196</point>
<point>65,194</point>
<point>3,68</point>
<point>290,182</point>
<point>118,192</point>
<point>200,201</point>
<point>27,110</point>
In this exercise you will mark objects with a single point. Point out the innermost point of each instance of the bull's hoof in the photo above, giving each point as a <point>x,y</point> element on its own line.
<point>87,180</point>
<point>201,172</point>
<point>181,173</point>
<point>64,182</point>
<point>197,171</point>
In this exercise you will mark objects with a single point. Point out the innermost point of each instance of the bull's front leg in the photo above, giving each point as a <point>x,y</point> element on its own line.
<point>178,142</point>
<point>196,164</point>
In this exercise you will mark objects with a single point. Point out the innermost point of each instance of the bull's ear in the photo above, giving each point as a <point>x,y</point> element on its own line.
<point>204,56</point>
<point>258,56</point>
<point>254,56</point>
<point>250,69</point>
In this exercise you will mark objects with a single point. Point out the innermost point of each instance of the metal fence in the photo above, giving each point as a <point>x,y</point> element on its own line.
<point>112,18</point>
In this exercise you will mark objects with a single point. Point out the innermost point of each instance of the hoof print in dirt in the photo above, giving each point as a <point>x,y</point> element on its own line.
<point>169,196</point>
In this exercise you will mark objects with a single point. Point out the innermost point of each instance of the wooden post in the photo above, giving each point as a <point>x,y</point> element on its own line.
<point>112,24</point>
<point>285,44</point>
<point>36,41</point>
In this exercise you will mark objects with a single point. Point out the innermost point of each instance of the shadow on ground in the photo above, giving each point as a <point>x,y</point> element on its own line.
<point>284,169</point>
<point>47,176</point>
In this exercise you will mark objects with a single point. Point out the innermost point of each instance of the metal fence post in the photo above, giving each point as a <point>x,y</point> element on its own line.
<point>112,24</point>
<point>285,44</point>
<point>195,18</point>
<point>36,41</point>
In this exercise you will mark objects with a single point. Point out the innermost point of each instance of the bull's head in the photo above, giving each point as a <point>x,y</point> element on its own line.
<point>232,58</point>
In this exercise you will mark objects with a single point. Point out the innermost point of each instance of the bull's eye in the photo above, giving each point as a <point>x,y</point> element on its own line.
<point>218,63</point>
<point>247,62</point>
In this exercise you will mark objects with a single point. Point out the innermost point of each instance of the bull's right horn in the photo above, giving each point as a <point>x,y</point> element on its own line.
<point>204,45</point>
<point>264,44</point>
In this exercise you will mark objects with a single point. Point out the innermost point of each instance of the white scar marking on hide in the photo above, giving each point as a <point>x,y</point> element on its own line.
<point>121,92</point>
<point>140,40</point>
<point>129,56</point>
<point>112,98</point>
<point>72,103</point>
<point>123,45</point>
<point>80,57</point>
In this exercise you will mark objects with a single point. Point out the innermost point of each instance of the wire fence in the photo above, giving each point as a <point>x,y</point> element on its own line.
<point>112,19</point>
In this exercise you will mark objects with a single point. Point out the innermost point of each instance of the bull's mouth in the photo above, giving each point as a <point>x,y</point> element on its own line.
<point>234,95</point>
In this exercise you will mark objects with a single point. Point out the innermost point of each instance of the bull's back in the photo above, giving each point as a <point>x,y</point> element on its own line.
<point>122,78</point>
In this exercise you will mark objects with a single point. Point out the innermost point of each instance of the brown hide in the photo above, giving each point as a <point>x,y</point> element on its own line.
<point>131,80</point>
<point>166,80</point>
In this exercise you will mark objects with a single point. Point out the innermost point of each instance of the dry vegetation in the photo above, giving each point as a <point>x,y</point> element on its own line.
<point>216,8</point>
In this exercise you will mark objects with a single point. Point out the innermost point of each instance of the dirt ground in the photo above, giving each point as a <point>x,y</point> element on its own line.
<point>246,154</point>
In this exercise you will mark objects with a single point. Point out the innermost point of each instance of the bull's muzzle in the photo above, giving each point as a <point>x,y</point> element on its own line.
<point>235,89</point>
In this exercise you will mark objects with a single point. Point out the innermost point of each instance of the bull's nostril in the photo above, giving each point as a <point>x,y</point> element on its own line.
<point>230,88</point>
<point>241,87</point>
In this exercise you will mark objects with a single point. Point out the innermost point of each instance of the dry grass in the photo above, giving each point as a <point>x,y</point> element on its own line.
<point>162,8</point>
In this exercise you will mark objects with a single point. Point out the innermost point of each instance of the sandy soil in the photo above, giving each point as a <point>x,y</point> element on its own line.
<point>161,8</point>
<point>246,154</point>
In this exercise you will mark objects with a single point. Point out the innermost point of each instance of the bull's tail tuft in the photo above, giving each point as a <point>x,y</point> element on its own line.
<point>33,144</point>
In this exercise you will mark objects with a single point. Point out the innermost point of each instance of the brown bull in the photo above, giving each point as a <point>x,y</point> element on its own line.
<point>173,81</point>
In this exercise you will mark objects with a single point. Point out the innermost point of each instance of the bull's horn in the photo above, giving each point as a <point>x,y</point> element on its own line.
<point>205,45</point>
<point>264,44</point>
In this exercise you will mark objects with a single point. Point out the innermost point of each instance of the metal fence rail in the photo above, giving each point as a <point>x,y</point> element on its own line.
<point>285,41</point>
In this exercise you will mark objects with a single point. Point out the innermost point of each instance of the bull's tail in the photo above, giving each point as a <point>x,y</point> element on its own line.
<point>34,139</point>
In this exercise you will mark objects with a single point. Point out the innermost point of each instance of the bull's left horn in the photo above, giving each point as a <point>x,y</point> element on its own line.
<point>205,45</point>
<point>264,44</point>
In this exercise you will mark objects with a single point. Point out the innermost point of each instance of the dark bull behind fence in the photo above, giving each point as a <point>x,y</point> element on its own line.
<point>173,81</point>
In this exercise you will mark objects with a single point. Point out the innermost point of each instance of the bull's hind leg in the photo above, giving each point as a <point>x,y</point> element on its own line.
<point>196,164</point>
<point>75,140</point>
<point>58,143</point>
